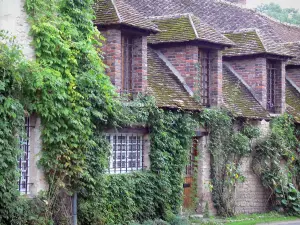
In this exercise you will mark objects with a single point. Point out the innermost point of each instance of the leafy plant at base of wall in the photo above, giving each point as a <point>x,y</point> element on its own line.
<point>276,161</point>
<point>227,146</point>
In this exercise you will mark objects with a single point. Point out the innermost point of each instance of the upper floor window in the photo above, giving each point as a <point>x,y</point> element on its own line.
<point>271,84</point>
<point>204,76</point>
<point>23,162</point>
<point>127,64</point>
<point>127,152</point>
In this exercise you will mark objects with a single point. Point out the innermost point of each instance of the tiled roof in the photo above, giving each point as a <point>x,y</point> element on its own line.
<point>250,42</point>
<point>294,48</point>
<point>222,16</point>
<point>238,99</point>
<point>111,12</point>
<point>293,101</point>
<point>185,27</point>
<point>166,87</point>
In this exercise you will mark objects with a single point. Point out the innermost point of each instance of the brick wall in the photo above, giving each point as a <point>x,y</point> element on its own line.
<point>113,55</point>
<point>185,59</point>
<point>139,61</point>
<point>112,49</point>
<point>294,75</point>
<point>254,72</point>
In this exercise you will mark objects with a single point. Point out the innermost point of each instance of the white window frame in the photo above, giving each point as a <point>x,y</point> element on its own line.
<point>129,156</point>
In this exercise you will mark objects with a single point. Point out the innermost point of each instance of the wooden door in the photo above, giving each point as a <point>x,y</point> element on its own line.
<point>189,176</point>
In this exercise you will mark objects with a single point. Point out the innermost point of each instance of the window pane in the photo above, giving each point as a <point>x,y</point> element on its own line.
<point>127,153</point>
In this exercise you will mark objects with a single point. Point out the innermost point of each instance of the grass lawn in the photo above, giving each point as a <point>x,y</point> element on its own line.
<point>245,219</point>
<point>259,218</point>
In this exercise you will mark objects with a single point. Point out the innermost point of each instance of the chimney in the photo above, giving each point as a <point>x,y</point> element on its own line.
<point>240,2</point>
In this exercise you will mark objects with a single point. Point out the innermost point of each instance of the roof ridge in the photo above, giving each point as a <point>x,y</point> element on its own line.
<point>117,11</point>
<point>259,13</point>
<point>229,67</point>
<point>292,83</point>
<point>239,31</point>
<point>174,71</point>
<point>193,26</point>
<point>262,40</point>
<point>170,16</point>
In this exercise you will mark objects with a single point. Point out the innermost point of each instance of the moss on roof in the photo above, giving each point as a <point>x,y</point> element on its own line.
<point>173,30</point>
<point>293,101</point>
<point>238,99</point>
<point>251,43</point>
<point>110,12</point>
<point>247,43</point>
<point>185,27</point>
<point>166,87</point>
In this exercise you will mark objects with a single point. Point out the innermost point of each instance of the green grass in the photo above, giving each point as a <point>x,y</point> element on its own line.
<point>259,218</point>
<point>245,219</point>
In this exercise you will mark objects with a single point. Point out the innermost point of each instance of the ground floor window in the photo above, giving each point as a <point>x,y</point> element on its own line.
<point>127,152</point>
<point>23,162</point>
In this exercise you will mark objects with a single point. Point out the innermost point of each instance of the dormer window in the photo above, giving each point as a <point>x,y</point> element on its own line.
<point>204,76</point>
<point>127,64</point>
<point>271,85</point>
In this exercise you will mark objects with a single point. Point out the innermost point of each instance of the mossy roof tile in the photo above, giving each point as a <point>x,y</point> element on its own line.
<point>166,87</point>
<point>185,27</point>
<point>111,12</point>
<point>250,42</point>
<point>238,99</point>
<point>293,101</point>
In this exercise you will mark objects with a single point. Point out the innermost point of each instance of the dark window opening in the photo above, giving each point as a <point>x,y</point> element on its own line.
<point>204,76</point>
<point>127,153</point>
<point>23,164</point>
<point>127,64</point>
<point>192,160</point>
<point>271,84</point>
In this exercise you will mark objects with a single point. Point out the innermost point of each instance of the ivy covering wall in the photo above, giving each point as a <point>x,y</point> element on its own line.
<point>66,86</point>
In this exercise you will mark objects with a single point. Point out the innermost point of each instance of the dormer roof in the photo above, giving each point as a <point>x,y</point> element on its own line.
<point>183,28</point>
<point>294,49</point>
<point>112,12</point>
<point>252,42</point>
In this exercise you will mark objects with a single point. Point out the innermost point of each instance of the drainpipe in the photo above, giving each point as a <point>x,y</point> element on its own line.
<point>74,209</point>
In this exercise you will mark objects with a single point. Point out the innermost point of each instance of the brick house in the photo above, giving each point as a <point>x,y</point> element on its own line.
<point>190,55</point>
<point>196,54</point>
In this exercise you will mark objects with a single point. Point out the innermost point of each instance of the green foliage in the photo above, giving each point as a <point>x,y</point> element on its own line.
<point>12,95</point>
<point>287,15</point>
<point>72,95</point>
<point>276,162</point>
<point>139,196</point>
<point>227,147</point>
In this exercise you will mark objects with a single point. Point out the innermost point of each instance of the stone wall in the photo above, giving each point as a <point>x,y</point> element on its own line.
<point>251,196</point>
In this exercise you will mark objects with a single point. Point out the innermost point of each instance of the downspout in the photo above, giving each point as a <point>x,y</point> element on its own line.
<point>74,209</point>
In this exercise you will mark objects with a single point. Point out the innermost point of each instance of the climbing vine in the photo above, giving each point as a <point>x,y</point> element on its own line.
<point>228,145</point>
<point>277,162</point>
